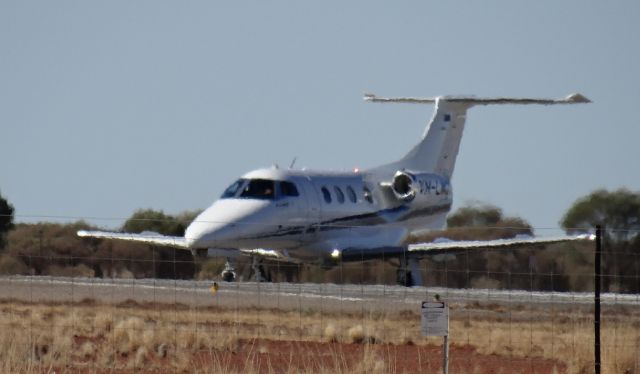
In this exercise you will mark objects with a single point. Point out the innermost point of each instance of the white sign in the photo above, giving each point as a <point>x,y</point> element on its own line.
<point>435,319</point>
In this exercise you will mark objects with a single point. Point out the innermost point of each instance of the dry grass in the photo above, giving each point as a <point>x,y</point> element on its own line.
<point>565,333</point>
<point>154,337</point>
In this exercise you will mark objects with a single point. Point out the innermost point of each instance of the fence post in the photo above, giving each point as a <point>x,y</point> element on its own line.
<point>596,317</point>
<point>445,354</point>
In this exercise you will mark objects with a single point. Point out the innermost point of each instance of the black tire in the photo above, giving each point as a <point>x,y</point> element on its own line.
<point>404,278</point>
<point>228,276</point>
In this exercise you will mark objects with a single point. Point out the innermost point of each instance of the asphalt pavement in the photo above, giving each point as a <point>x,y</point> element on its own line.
<point>307,296</point>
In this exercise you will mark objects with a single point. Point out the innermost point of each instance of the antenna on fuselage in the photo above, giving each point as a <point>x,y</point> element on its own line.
<point>293,162</point>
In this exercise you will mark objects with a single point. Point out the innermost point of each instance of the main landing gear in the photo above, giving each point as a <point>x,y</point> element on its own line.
<point>259,275</point>
<point>255,272</point>
<point>408,273</point>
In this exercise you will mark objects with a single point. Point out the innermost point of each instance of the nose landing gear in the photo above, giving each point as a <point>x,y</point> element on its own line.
<point>229,272</point>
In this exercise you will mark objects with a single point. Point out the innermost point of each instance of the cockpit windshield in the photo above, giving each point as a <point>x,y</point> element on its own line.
<point>232,190</point>
<point>259,189</point>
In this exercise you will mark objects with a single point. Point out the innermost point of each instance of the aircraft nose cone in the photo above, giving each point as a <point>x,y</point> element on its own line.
<point>213,236</point>
<point>204,233</point>
<point>195,234</point>
<point>222,224</point>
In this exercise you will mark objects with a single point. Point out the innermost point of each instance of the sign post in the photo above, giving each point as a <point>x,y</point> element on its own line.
<point>435,322</point>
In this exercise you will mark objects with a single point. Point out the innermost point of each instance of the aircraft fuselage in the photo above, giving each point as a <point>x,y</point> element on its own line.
<point>305,214</point>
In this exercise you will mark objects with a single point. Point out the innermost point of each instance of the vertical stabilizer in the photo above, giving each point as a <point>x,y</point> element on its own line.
<point>438,149</point>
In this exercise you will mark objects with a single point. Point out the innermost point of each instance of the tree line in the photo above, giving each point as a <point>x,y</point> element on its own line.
<point>54,249</point>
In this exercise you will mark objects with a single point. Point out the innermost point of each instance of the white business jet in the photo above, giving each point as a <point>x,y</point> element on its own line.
<point>318,216</point>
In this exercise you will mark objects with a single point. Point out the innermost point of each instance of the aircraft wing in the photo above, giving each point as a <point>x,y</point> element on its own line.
<point>458,246</point>
<point>144,237</point>
<point>449,247</point>
<point>173,241</point>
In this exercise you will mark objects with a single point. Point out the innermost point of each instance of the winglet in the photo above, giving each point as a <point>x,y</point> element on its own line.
<point>577,98</point>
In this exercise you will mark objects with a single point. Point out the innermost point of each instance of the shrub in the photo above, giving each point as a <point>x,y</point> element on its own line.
<point>10,265</point>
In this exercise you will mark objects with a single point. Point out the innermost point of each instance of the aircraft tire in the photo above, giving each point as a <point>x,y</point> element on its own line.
<point>404,278</point>
<point>228,276</point>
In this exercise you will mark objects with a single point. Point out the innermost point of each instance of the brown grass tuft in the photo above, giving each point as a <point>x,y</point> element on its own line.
<point>330,333</point>
<point>355,334</point>
<point>141,357</point>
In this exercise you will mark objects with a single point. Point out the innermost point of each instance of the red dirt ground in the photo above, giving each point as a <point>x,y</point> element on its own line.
<point>279,356</point>
<point>275,356</point>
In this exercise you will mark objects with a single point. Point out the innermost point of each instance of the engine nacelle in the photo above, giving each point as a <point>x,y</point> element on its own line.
<point>404,186</point>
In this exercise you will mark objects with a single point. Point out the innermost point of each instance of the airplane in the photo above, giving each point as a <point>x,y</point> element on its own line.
<point>305,216</point>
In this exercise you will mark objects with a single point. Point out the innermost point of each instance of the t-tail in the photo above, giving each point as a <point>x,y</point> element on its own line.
<point>438,149</point>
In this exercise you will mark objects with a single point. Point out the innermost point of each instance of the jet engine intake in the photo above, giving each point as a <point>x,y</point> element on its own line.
<point>404,186</point>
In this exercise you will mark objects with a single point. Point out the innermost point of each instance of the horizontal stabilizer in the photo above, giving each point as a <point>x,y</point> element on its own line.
<point>457,246</point>
<point>575,98</point>
<point>147,237</point>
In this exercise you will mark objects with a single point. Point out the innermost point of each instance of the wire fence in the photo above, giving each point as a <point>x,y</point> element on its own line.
<point>86,305</point>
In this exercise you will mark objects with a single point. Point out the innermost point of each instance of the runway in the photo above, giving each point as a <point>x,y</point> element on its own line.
<point>316,297</point>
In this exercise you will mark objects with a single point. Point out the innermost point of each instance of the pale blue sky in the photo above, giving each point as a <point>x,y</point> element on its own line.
<point>107,107</point>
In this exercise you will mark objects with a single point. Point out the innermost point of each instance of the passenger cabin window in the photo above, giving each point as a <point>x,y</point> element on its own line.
<point>326,194</point>
<point>288,189</point>
<point>339,194</point>
<point>352,194</point>
<point>232,190</point>
<point>259,189</point>
<point>367,195</point>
